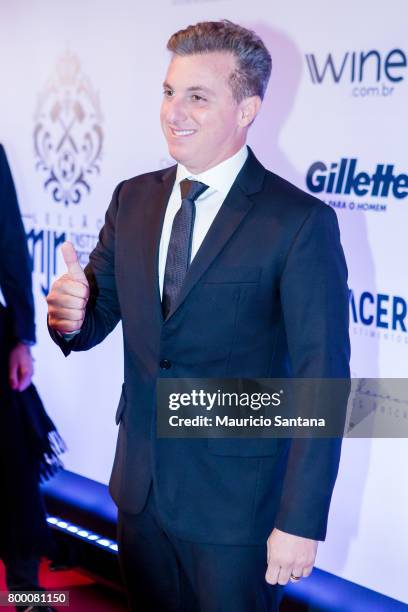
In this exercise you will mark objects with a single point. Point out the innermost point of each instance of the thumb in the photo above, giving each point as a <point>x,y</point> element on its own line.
<point>72,263</point>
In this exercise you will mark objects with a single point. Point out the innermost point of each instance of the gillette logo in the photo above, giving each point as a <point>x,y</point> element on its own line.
<point>344,178</point>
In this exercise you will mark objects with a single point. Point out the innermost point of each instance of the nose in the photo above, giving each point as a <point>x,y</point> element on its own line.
<point>174,111</point>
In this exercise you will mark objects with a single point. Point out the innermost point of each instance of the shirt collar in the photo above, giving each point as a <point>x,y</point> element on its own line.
<point>219,178</point>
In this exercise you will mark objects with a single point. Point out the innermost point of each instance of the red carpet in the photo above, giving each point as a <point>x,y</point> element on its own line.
<point>86,594</point>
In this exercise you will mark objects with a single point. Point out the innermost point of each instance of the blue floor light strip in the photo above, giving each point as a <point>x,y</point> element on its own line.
<point>83,534</point>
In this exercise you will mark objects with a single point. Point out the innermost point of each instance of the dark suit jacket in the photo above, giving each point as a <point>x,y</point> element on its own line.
<point>265,296</point>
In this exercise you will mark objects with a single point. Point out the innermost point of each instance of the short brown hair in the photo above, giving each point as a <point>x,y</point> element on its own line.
<point>254,63</point>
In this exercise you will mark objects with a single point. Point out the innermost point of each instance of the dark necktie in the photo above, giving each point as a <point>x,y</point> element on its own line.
<point>179,251</point>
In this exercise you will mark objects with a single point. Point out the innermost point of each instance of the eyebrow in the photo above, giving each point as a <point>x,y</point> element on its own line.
<point>192,88</point>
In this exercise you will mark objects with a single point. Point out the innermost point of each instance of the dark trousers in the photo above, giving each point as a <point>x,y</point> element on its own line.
<point>22,573</point>
<point>162,572</point>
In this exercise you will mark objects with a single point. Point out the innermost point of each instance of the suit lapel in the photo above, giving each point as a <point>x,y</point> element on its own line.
<point>234,209</point>
<point>154,212</point>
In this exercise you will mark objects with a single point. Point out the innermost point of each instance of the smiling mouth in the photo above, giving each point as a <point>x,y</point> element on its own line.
<point>182,133</point>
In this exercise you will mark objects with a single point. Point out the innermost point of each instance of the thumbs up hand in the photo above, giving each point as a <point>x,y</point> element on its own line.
<point>69,295</point>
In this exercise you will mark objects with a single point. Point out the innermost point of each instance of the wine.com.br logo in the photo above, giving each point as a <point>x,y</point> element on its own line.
<point>370,73</point>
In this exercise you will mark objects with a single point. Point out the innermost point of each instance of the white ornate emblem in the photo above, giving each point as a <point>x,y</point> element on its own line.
<point>68,136</point>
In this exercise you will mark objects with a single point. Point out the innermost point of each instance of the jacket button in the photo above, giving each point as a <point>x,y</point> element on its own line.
<point>165,364</point>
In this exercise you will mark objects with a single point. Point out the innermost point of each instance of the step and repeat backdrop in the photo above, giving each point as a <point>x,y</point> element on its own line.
<point>81,87</point>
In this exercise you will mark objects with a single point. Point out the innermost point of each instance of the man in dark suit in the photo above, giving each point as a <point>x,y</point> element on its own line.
<point>217,268</point>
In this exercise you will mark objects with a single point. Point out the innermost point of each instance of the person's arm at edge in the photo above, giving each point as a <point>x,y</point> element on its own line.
<point>15,267</point>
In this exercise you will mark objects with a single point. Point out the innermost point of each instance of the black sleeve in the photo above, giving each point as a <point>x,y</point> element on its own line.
<point>314,297</point>
<point>15,265</point>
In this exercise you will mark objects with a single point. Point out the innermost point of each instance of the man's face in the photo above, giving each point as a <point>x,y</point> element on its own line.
<point>199,116</point>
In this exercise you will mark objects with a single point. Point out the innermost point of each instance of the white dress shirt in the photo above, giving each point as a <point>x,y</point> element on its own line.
<point>219,180</point>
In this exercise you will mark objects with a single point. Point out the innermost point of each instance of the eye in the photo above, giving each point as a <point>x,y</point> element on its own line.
<point>168,92</point>
<point>197,98</point>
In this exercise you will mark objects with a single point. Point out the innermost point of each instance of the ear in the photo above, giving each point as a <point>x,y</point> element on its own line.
<point>248,110</point>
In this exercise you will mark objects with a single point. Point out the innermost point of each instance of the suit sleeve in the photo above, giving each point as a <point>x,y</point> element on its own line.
<point>103,309</point>
<point>15,265</point>
<point>314,297</point>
